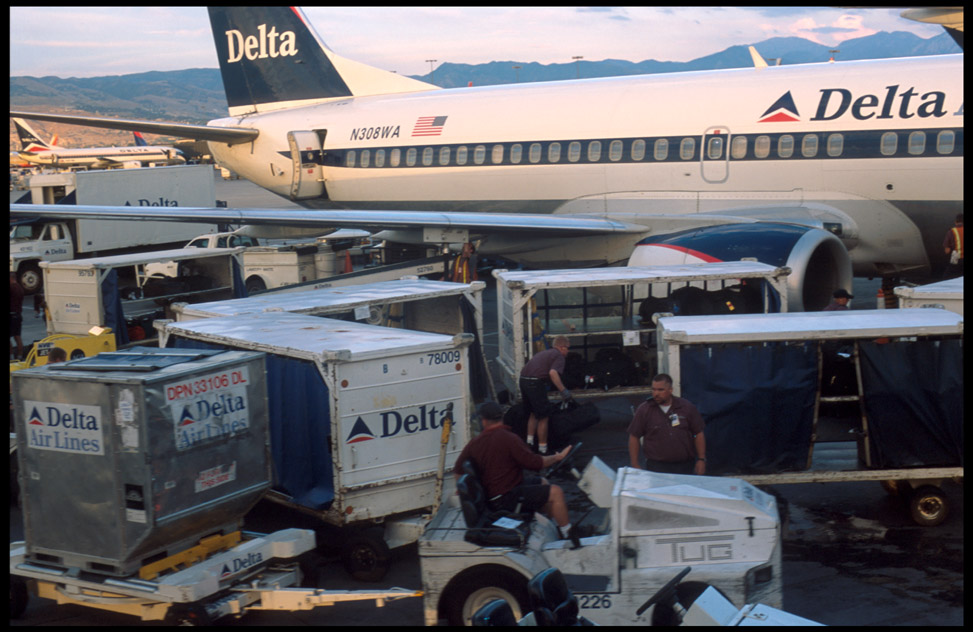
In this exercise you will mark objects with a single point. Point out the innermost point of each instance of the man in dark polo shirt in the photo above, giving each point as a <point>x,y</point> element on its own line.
<point>671,432</point>
<point>542,371</point>
<point>501,457</point>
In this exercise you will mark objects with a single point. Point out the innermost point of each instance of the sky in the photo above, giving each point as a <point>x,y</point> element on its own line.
<point>95,41</point>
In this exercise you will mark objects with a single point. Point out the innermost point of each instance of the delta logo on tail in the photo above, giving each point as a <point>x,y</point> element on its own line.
<point>782,111</point>
<point>359,432</point>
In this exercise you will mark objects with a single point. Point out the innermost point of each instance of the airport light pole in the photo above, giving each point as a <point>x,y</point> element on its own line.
<point>577,64</point>
<point>517,70</point>
<point>432,77</point>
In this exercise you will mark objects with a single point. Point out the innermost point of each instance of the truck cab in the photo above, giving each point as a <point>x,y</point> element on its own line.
<point>31,243</point>
<point>650,526</point>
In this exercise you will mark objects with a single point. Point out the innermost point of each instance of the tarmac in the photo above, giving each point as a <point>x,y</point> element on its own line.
<point>851,553</point>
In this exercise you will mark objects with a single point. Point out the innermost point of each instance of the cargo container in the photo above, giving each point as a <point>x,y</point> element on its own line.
<point>760,380</point>
<point>944,295</point>
<point>126,457</point>
<point>356,416</point>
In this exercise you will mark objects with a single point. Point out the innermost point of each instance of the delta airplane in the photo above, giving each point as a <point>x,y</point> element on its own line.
<point>832,169</point>
<point>36,152</point>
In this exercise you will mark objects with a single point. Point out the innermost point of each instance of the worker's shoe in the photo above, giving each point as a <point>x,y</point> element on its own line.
<point>575,533</point>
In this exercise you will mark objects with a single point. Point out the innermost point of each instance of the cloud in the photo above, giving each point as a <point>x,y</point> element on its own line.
<point>845,26</point>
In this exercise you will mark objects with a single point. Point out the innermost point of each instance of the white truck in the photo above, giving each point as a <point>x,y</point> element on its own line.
<point>653,526</point>
<point>64,240</point>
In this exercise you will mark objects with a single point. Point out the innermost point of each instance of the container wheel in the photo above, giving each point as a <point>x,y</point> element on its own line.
<point>188,615</point>
<point>474,589</point>
<point>18,596</point>
<point>366,555</point>
<point>928,506</point>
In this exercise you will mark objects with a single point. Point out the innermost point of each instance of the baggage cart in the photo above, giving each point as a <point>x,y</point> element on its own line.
<point>761,380</point>
<point>356,415</point>
<point>610,309</point>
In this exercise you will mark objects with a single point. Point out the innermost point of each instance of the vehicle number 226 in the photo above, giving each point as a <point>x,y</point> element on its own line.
<point>443,357</point>
<point>595,601</point>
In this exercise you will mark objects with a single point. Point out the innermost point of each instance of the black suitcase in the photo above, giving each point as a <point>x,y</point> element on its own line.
<point>569,421</point>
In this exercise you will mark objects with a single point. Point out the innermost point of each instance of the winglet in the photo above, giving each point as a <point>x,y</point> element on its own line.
<point>758,61</point>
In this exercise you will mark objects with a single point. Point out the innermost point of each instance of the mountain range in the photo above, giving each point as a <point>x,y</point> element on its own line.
<point>196,95</point>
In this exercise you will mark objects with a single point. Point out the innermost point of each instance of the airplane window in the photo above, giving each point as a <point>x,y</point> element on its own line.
<point>395,157</point>
<point>379,157</point>
<point>661,149</point>
<point>594,151</point>
<point>427,156</point>
<point>917,143</point>
<point>890,143</point>
<point>761,146</point>
<point>945,141</point>
<point>350,158</point>
<point>615,151</point>
<point>497,154</point>
<point>410,157</point>
<point>554,152</point>
<point>444,156</point>
<point>785,146</point>
<point>714,148</point>
<point>809,145</point>
<point>836,144</point>
<point>687,148</point>
<point>479,153</point>
<point>366,157</point>
<point>738,147</point>
<point>534,154</point>
<point>461,155</point>
<point>638,149</point>
<point>516,150</point>
<point>574,151</point>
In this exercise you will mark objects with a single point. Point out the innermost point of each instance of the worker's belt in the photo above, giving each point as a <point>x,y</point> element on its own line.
<point>532,379</point>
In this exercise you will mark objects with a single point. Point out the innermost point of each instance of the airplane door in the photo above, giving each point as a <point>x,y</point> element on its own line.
<point>307,157</point>
<point>715,154</point>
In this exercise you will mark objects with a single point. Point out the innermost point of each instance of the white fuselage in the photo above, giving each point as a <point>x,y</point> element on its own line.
<point>876,144</point>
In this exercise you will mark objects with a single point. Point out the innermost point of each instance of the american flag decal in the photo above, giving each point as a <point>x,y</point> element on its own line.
<point>429,126</point>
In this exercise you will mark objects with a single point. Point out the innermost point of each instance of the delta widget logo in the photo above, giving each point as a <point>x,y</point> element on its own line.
<point>35,418</point>
<point>186,418</point>
<point>782,111</point>
<point>359,432</point>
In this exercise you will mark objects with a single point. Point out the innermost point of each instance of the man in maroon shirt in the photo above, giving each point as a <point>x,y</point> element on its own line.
<point>544,369</point>
<point>671,432</point>
<point>501,457</point>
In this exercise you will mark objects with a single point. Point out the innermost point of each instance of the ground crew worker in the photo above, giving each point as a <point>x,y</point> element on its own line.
<point>670,430</point>
<point>839,301</point>
<point>954,247</point>
<point>544,369</point>
<point>501,457</point>
<point>464,266</point>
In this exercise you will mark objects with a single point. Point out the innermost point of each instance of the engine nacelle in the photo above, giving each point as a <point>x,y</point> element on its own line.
<point>819,262</point>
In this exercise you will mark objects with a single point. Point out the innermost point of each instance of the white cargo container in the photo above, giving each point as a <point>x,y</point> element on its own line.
<point>79,298</point>
<point>944,295</point>
<point>599,307</point>
<point>356,416</point>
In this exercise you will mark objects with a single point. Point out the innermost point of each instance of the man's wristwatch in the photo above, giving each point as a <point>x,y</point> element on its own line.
<point>700,458</point>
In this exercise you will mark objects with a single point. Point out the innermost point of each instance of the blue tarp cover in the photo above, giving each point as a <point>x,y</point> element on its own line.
<point>757,401</point>
<point>298,402</point>
<point>914,402</point>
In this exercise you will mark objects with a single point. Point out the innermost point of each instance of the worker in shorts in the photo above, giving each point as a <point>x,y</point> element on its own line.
<point>500,458</point>
<point>541,372</point>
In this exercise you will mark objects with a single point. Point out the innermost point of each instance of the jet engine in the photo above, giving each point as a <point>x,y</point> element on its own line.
<point>819,262</point>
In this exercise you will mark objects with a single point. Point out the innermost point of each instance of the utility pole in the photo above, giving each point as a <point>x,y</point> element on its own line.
<point>577,64</point>
<point>432,77</point>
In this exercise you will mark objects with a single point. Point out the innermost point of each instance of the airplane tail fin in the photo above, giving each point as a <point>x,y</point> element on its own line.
<point>29,140</point>
<point>139,139</point>
<point>271,58</point>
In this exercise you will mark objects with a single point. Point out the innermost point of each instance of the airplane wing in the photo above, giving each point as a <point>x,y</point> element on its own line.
<point>372,220</point>
<point>228,135</point>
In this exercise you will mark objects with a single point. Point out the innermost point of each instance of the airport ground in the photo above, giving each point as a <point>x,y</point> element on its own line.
<point>852,555</point>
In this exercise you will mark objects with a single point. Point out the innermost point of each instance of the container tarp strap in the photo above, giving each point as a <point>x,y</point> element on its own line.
<point>298,404</point>
<point>478,375</point>
<point>914,402</point>
<point>239,287</point>
<point>757,402</point>
<point>111,300</point>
